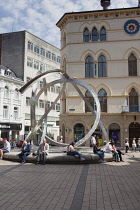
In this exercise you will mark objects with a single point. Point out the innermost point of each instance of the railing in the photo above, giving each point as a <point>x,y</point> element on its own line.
<point>133,108</point>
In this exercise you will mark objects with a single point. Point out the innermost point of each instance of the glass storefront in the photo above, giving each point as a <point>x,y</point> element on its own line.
<point>114,134</point>
<point>79,132</point>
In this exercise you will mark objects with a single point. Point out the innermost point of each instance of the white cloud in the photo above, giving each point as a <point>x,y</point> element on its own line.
<point>40,16</point>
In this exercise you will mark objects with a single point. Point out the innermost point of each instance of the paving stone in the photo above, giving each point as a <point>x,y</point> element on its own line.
<point>110,186</point>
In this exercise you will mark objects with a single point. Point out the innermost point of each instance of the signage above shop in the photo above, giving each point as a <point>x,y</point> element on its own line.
<point>9,126</point>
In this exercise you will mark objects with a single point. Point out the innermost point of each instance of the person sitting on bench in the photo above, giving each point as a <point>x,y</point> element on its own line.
<point>25,151</point>
<point>43,150</point>
<point>72,151</point>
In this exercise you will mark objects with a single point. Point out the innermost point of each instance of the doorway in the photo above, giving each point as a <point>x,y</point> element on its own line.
<point>79,132</point>
<point>114,134</point>
<point>134,132</point>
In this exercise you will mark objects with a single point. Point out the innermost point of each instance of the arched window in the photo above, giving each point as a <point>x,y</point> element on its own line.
<point>90,98</point>
<point>89,67</point>
<point>64,65</point>
<point>6,92</point>
<point>94,35</point>
<point>133,101</point>
<point>102,66</point>
<point>16,94</point>
<point>103,34</point>
<point>86,35</point>
<point>102,96</point>
<point>132,65</point>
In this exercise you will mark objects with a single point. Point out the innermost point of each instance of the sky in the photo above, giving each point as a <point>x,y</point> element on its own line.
<point>39,17</point>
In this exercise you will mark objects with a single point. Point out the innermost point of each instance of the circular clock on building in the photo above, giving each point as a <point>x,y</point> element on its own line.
<point>131,27</point>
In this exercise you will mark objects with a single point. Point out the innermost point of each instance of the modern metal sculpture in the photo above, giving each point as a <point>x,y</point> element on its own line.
<point>35,126</point>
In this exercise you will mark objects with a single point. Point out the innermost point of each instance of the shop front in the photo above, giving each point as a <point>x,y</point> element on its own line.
<point>10,131</point>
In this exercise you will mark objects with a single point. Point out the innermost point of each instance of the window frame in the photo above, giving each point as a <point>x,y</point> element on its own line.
<point>102,64</point>
<point>102,35</point>
<point>86,36</point>
<point>132,65</point>
<point>89,67</point>
<point>5,111</point>
<point>101,100</point>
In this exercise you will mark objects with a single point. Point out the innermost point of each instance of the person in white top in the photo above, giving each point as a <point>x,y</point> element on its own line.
<point>138,143</point>
<point>126,145</point>
<point>5,149</point>
<point>134,146</point>
<point>73,152</point>
<point>93,140</point>
<point>108,148</point>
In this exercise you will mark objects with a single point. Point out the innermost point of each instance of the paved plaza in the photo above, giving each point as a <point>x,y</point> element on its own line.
<point>104,186</point>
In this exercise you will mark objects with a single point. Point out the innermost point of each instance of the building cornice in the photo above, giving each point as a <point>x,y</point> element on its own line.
<point>97,15</point>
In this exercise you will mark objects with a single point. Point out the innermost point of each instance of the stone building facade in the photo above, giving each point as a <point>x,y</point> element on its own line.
<point>102,49</point>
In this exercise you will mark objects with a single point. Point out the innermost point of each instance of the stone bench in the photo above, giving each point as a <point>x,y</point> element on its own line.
<point>60,158</point>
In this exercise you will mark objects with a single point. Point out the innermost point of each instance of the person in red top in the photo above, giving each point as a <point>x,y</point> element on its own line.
<point>117,153</point>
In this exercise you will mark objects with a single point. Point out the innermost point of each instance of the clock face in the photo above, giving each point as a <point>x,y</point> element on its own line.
<point>131,27</point>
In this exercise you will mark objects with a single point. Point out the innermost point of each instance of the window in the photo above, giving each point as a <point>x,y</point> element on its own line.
<point>28,101</point>
<point>90,99</point>
<point>58,107</point>
<point>58,59</point>
<point>36,49</point>
<point>57,89</point>
<point>132,65</point>
<point>64,65</point>
<point>102,66</point>
<point>89,67</point>
<point>103,34</point>
<point>36,64</point>
<point>41,84</point>
<point>42,67</point>
<point>102,96</point>
<point>42,51</point>
<point>30,45</point>
<point>48,54</point>
<point>6,92</point>
<point>41,103</point>
<point>53,57</point>
<point>79,132</point>
<point>53,89</point>
<point>95,35</point>
<point>86,35</point>
<point>15,113</point>
<point>5,112</point>
<point>53,108</point>
<point>29,62</point>
<point>28,79</point>
<point>16,94</point>
<point>133,101</point>
<point>48,104</point>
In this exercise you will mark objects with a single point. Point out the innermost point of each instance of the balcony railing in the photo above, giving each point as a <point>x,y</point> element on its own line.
<point>133,108</point>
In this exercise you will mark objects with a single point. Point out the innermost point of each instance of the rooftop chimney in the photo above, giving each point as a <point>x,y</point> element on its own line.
<point>105,4</point>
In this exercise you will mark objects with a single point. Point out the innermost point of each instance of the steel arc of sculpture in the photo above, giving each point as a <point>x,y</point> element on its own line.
<point>35,126</point>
